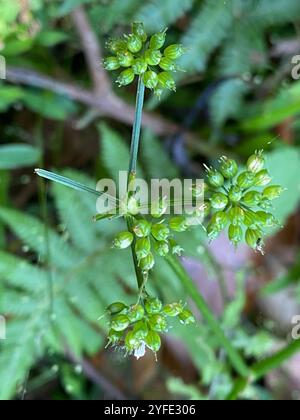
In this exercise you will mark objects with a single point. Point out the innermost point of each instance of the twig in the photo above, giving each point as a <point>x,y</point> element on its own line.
<point>92,52</point>
<point>109,106</point>
<point>112,107</point>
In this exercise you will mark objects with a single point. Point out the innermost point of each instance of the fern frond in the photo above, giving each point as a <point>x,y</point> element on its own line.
<point>157,15</point>
<point>207,31</point>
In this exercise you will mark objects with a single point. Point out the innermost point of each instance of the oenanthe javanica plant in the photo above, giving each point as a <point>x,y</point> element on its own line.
<point>231,198</point>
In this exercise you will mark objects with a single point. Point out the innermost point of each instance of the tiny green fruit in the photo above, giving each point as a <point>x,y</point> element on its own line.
<point>178,224</point>
<point>116,308</point>
<point>142,247</point>
<point>186,317</point>
<point>262,178</point>
<point>158,40</point>
<point>146,264</point>
<point>160,232</point>
<point>219,201</point>
<point>153,341</point>
<point>126,77</point>
<point>256,162</point>
<point>153,57</point>
<point>142,229</point>
<point>175,51</point>
<point>229,167</point>
<point>134,43</point>
<point>153,305</point>
<point>123,240</point>
<point>119,322</point>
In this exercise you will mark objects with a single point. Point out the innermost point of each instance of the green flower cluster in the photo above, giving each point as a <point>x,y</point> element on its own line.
<point>139,326</point>
<point>140,56</point>
<point>241,200</point>
<point>152,238</point>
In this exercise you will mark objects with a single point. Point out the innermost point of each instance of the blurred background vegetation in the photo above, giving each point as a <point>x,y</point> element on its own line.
<point>60,110</point>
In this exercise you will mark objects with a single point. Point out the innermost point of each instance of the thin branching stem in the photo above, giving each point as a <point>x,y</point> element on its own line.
<point>236,360</point>
<point>134,149</point>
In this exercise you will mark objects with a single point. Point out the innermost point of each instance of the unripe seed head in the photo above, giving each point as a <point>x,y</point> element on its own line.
<point>158,323</point>
<point>272,192</point>
<point>267,219</point>
<point>116,308</point>
<point>140,330</point>
<point>246,179</point>
<point>123,240</point>
<point>153,341</point>
<point>160,232</point>
<point>139,66</point>
<point>126,77</point>
<point>167,64</point>
<point>219,201</point>
<point>235,234</point>
<point>158,40</point>
<point>253,237</point>
<point>111,63</point>
<point>173,309</point>
<point>213,231</point>
<point>142,247</point>
<point>256,162</point>
<point>131,342</point>
<point>251,220</point>
<point>166,81</point>
<point>142,229</point>
<point>116,45</point>
<point>153,57</point>
<point>176,249</point>
<point>262,178</point>
<point>162,248</point>
<point>229,167</point>
<point>178,224</point>
<point>139,30</point>
<point>220,220</point>
<point>235,194</point>
<point>153,305</point>
<point>186,317</point>
<point>252,198</point>
<point>175,51</point>
<point>146,264</point>
<point>134,43</point>
<point>119,322</point>
<point>215,178</point>
<point>114,337</point>
<point>150,79</point>
<point>236,215</point>
<point>125,58</point>
<point>136,313</point>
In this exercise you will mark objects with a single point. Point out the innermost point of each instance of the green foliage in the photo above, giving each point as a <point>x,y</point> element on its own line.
<point>18,155</point>
<point>70,265</point>
<point>157,15</point>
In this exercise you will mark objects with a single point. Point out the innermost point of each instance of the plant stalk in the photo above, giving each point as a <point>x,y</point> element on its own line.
<point>236,360</point>
<point>134,149</point>
<point>260,369</point>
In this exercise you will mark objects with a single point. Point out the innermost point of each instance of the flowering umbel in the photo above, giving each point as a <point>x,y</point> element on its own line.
<point>241,201</point>
<point>139,326</point>
<point>137,55</point>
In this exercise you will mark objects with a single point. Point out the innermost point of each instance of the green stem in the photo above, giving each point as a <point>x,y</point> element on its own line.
<point>135,142</point>
<point>260,369</point>
<point>236,360</point>
<point>136,132</point>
